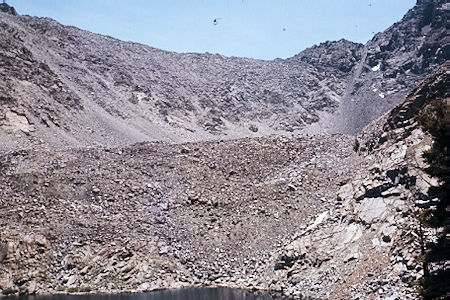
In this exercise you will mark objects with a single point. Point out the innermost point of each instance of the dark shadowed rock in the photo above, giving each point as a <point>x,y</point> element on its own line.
<point>7,9</point>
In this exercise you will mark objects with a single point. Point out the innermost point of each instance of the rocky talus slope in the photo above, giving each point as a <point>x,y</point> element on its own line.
<point>160,215</point>
<point>324,216</point>
<point>65,87</point>
<point>128,168</point>
<point>367,246</point>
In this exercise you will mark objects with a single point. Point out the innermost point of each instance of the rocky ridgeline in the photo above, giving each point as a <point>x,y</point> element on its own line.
<point>303,216</point>
<point>321,216</point>
<point>383,71</point>
<point>96,90</point>
<point>7,9</point>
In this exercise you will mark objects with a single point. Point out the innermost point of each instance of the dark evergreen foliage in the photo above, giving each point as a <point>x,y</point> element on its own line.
<point>435,120</point>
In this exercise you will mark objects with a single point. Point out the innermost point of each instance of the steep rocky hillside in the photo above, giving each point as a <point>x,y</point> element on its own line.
<point>394,62</point>
<point>368,244</point>
<point>386,69</point>
<point>128,168</point>
<point>161,215</point>
<point>325,216</point>
<point>68,87</point>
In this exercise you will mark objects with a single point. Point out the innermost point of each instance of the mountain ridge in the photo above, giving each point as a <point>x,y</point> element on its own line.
<point>137,93</point>
<point>128,169</point>
<point>322,216</point>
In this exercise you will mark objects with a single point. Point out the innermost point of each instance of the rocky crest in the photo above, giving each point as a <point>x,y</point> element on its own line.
<point>321,216</point>
<point>393,62</point>
<point>8,9</point>
<point>318,216</point>
<point>96,90</point>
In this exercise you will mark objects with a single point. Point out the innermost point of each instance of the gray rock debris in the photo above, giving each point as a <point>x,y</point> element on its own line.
<point>75,88</point>
<point>367,245</point>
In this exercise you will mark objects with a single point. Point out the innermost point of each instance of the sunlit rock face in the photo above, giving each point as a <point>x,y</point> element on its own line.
<point>77,88</point>
<point>125,168</point>
<point>366,244</point>
<point>325,216</point>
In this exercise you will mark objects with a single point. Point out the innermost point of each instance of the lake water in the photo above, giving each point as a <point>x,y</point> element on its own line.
<point>179,294</point>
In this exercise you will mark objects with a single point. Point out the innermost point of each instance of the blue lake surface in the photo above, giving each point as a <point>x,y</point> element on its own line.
<point>178,294</point>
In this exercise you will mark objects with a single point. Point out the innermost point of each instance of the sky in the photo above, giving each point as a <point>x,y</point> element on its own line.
<point>262,29</point>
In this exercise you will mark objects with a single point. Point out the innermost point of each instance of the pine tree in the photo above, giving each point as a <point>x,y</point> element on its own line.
<point>435,119</point>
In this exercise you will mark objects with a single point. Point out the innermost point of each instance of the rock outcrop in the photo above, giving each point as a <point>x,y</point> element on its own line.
<point>368,244</point>
<point>321,216</point>
<point>393,62</point>
<point>8,9</point>
<point>71,87</point>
